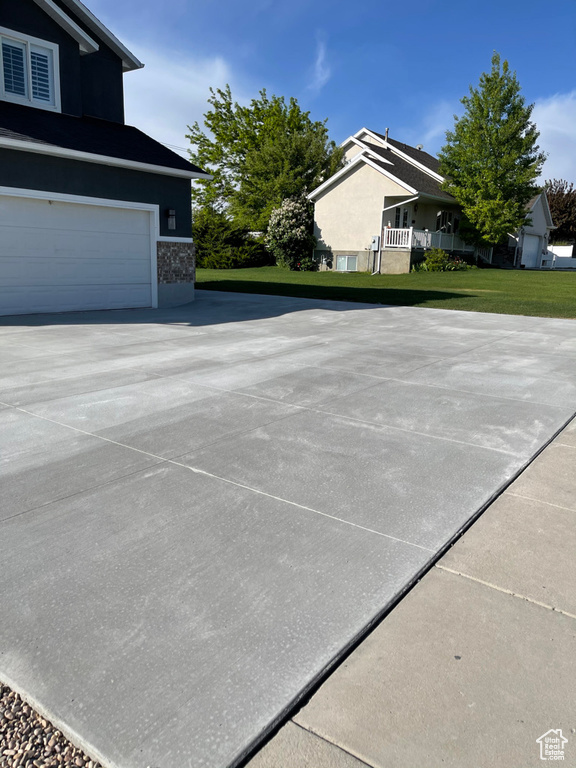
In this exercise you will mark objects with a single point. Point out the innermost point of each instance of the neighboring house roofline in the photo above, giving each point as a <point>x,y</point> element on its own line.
<point>547,213</point>
<point>379,139</point>
<point>338,175</point>
<point>86,43</point>
<point>360,158</point>
<point>365,147</point>
<point>129,61</point>
<point>90,157</point>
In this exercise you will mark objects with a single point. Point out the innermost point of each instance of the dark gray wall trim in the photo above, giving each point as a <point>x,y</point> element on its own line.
<point>27,170</point>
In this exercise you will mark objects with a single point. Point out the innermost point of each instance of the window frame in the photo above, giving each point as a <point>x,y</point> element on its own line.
<point>29,42</point>
<point>347,257</point>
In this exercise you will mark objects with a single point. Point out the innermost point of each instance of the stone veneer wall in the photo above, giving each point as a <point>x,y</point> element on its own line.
<point>176,262</point>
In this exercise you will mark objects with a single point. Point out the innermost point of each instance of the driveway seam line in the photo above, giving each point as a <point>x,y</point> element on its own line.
<point>331,743</point>
<point>487,394</point>
<point>540,501</point>
<point>350,418</point>
<point>506,591</point>
<point>413,383</point>
<point>78,493</point>
<point>199,471</point>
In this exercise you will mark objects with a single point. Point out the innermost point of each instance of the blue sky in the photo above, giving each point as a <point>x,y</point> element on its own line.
<point>375,64</point>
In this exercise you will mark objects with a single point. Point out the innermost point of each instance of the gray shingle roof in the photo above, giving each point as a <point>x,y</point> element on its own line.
<point>429,161</point>
<point>409,173</point>
<point>87,134</point>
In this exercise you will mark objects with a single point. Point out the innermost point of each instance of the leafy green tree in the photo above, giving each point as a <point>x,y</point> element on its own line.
<point>258,155</point>
<point>283,166</point>
<point>290,236</point>
<point>491,159</point>
<point>562,200</point>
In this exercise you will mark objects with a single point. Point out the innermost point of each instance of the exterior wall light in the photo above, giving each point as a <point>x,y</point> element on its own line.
<point>171,213</point>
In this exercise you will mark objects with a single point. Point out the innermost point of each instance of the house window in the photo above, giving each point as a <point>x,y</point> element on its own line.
<point>346,263</point>
<point>29,71</point>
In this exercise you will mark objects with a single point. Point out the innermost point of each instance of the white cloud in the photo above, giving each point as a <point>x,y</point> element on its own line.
<point>431,132</point>
<point>322,71</point>
<point>555,117</point>
<point>438,121</point>
<point>171,92</point>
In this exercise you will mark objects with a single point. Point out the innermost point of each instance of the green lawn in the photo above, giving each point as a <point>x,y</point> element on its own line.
<point>543,294</point>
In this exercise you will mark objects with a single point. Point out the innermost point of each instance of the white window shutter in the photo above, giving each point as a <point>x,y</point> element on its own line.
<point>14,66</point>
<point>41,74</point>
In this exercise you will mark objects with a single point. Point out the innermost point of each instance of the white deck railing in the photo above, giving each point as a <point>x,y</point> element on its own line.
<point>408,239</point>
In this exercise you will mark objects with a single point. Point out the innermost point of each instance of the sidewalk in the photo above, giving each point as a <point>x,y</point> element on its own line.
<point>477,662</point>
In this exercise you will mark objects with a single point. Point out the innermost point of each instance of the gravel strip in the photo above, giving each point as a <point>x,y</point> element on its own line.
<point>27,740</point>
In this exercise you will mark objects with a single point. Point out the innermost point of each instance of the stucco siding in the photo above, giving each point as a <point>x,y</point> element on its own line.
<point>349,212</point>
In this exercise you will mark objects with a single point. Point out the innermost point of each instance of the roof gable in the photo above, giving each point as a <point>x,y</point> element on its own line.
<point>541,198</point>
<point>414,179</point>
<point>378,165</point>
<point>81,24</point>
<point>410,167</point>
<point>86,43</point>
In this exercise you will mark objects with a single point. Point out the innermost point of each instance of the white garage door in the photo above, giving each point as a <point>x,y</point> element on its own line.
<point>531,251</point>
<point>65,256</point>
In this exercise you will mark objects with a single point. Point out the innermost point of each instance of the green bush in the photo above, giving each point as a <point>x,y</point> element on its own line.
<point>438,260</point>
<point>307,264</point>
<point>222,245</point>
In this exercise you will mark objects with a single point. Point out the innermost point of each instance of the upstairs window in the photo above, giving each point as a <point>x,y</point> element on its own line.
<point>29,71</point>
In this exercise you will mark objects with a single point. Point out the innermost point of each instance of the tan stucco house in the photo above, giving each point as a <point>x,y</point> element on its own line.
<point>386,206</point>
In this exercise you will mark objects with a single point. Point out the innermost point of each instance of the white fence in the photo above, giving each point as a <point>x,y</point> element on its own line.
<point>561,256</point>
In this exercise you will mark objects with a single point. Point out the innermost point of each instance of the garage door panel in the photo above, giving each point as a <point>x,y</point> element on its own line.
<point>45,299</point>
<point>531,251</point>
<point>46,243</point>
<point>73,256</point>
<point>67,271</point>
<point>74,217</point>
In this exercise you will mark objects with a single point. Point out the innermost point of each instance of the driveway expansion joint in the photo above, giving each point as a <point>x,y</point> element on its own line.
<point>505,591</point>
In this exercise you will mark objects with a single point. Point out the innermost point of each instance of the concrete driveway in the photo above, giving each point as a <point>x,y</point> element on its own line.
<point>203,508</point>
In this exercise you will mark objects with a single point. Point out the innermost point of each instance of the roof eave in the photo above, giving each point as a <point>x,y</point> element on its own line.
<point>91,157</point>
<point>430,196</point>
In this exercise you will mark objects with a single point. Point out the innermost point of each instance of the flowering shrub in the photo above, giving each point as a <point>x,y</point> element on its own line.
<point>289,237</point>
<point>438,260</point>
